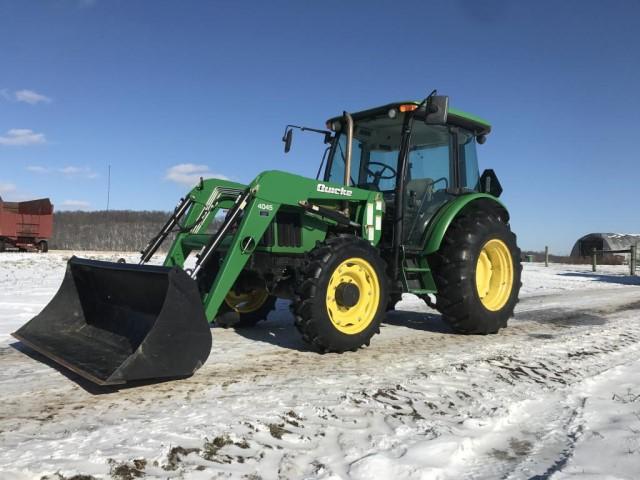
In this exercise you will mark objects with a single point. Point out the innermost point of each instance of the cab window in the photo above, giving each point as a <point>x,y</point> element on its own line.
<point>468,158</point>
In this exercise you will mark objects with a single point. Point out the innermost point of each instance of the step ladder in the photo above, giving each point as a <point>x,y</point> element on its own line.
<point>416,275</point>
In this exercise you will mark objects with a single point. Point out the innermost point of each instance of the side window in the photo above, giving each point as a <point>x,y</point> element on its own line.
<point>430,162</point>
<point>468,157</point>
<point>430,156</point>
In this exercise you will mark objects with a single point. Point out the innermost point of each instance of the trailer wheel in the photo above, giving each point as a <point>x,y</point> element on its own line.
<point>343,295</point>
<point>246,309</point>
<point>477,272</point>
<point>43,246</point>
<point>2,245</point>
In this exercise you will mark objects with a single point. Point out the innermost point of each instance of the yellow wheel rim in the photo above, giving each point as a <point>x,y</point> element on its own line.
<point>494,274</point>
<point>246,302</point>
<point>355,319</point>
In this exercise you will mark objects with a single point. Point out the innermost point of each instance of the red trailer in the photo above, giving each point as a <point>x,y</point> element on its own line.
<point>26,225</point>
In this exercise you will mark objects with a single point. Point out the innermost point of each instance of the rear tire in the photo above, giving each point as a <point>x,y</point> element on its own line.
<point>477,271</point>
<point>343,296</point>
<point>43,246</point>
<point>3,246</point>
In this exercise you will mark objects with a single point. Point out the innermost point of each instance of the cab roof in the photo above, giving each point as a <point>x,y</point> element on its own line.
<point>477,125</point>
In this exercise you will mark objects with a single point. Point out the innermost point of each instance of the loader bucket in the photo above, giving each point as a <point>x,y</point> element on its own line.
<point>113,323</point>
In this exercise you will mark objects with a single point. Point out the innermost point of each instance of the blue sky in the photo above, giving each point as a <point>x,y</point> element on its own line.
<point>145,86</point>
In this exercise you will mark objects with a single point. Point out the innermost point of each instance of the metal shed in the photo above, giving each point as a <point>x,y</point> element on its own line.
<point>604,241</point>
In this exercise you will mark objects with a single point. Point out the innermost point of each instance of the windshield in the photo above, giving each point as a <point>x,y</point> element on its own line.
<point>374,158</point>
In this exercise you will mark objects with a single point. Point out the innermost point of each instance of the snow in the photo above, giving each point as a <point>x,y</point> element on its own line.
<point>556,395</point>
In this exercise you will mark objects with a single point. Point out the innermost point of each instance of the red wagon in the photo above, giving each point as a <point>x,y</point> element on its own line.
<point>26,225</point>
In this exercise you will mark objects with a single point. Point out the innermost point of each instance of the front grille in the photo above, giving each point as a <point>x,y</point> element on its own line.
<point>289,229</point>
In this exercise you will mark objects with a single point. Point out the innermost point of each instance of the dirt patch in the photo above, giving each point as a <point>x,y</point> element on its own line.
<point>293,419</point>
<point>563,318</point>
<point>127,471</point>
<point>629,397</point>
<point>517,448</point>
<point>59,476</point>
<point>174,456</point>
<point>211,449</point>
<point>538,372</point>
<point>582,353</point>
<point>277,430</point>
<point>520,447</point>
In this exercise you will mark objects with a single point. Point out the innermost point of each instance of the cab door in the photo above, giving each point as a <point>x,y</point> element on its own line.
<point>430,178</point>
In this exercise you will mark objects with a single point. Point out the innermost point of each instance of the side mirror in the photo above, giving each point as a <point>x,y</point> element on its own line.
<point>489,183</point>
<point>287,140</point>
<point>436,110</point>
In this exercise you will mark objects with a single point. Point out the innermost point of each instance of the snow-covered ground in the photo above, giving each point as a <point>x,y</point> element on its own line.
<point>555,395</point>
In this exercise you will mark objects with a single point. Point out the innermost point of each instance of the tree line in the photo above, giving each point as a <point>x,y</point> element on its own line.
<point>114,230</point>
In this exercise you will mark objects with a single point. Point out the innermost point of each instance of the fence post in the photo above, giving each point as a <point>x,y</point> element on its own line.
<point>546,256</point>
<point>632,260</point>
<point>593,261</point>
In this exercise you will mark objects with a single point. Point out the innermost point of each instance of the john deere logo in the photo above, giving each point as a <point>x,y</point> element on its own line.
<point>335,190</point>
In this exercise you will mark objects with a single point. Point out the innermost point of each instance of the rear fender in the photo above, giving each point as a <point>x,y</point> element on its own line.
<point>440,223</point>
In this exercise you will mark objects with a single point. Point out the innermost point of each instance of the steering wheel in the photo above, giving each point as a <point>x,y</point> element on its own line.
<point>377,176</point>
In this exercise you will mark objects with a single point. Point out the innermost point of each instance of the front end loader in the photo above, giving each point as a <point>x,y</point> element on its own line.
<point>400,207</point>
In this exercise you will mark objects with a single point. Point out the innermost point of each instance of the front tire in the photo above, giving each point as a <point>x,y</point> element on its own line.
<point>343,296</point>
<point>477,271</point>
<point>245,310</point>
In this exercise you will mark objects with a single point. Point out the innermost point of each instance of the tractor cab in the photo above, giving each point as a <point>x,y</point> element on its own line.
<point>439,163</point>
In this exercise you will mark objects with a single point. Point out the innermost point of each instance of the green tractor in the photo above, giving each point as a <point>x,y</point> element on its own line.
<point>399,207</point>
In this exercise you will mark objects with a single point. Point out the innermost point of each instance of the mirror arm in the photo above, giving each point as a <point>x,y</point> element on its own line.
<point>328,136</point>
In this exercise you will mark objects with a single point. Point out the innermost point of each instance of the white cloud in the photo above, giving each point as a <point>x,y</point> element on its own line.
<point>189,173</point>
<point>38,169</point>
<point>20,137</point>
<point>74,205</point>
<point>31,97</point>
<point>7,188</point>
<point>72,172</point>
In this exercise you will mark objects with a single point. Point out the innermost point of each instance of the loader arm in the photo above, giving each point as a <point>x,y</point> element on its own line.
<point>207,200</point>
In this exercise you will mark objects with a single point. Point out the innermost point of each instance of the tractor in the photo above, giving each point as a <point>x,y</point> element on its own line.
<point>398,206</point>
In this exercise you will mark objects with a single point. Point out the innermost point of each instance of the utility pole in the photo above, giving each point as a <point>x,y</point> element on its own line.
<point>108,186</point>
